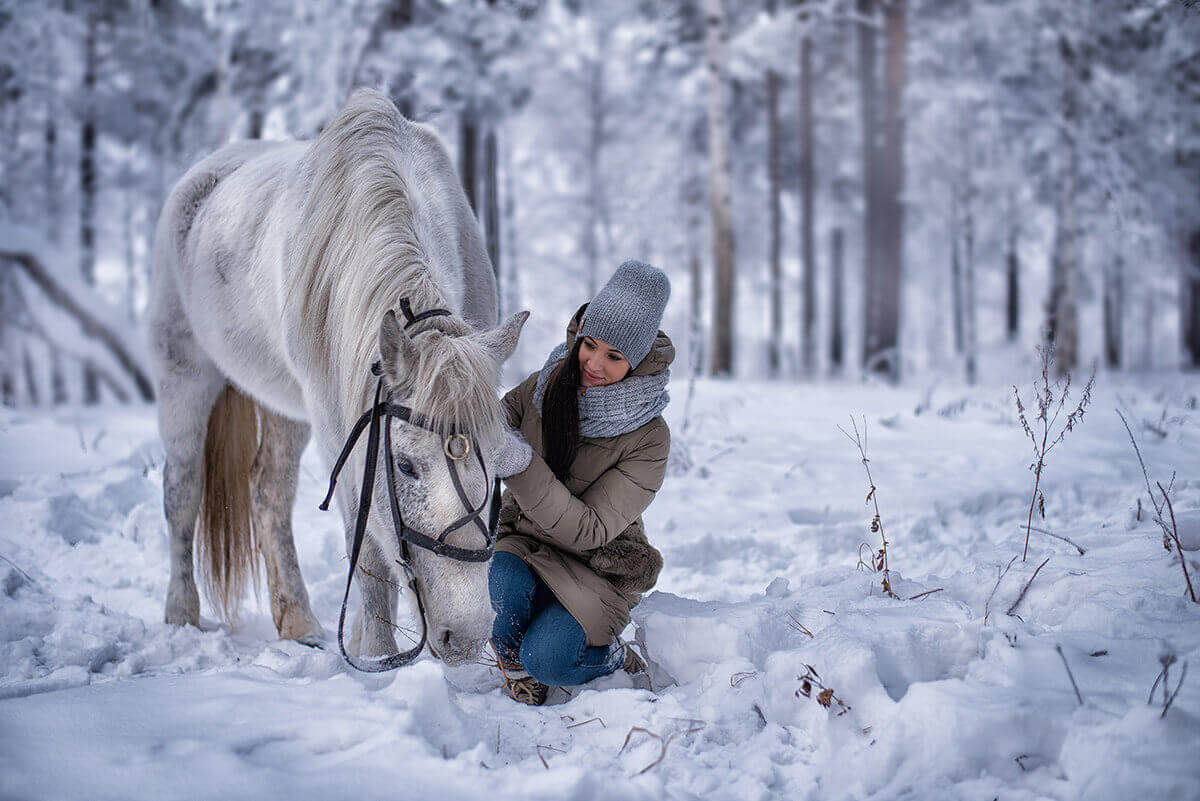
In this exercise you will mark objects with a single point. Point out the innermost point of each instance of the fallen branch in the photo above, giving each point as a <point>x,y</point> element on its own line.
<point>1070,675</point>
<point>1025,589</point>
<point>91,325</point>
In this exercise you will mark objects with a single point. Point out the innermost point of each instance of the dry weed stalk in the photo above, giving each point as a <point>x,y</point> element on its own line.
<point>825,697</point>
<point>1050,398</point>
<point>1166,660</point>
<point>736,679</point>
<point>1012,609</point>
<point>879,560</point>
<point>663,742</point>
<point>1000,574</point>
<point>1158,507</point>
<point>1175,536</point>
<point>798,626</point>
<point>1070,675</point>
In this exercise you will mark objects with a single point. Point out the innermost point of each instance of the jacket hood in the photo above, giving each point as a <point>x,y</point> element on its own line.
<point>661,354</point>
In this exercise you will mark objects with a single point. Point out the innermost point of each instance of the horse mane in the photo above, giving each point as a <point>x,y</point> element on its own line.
<point>358,250</point>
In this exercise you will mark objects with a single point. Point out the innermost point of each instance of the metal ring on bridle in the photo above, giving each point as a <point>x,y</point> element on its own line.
<point>466,447</point>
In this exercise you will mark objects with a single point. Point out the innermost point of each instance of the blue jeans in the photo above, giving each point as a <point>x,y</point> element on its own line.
<point>533,628</point>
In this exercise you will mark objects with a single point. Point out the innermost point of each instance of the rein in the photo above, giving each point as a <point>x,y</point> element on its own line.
<point>383,411</point>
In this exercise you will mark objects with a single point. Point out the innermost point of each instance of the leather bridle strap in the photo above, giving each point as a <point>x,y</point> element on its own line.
<point>377,664</point>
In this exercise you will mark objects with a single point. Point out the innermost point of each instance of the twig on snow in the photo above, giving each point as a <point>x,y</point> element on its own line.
<point>1070,542</point>
<point>539,748</point>
<point>1070,675</point>
<point>923,594</point>
<point>662,742</point>
<point>1025,589</point>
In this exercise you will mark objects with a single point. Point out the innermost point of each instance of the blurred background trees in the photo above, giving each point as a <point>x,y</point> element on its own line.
<point>837,187</point>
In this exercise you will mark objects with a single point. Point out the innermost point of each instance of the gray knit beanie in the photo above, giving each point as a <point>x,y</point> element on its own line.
<point>627,312</point>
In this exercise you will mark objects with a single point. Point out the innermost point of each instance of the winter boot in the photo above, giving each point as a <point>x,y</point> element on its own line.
<point>633,664</point>
<point>526,690</point>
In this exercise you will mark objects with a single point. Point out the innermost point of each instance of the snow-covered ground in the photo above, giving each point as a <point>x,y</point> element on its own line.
<point>761,534</point>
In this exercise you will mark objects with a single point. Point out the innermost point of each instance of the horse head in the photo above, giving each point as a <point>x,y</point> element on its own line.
<point>446,373</point>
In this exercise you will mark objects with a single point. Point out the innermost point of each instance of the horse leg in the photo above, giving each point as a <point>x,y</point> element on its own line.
<point>187,384</point>
<point>374,632</point>
<point>275,476</point>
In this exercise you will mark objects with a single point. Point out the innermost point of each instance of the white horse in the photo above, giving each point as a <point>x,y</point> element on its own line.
<point>276,264</point>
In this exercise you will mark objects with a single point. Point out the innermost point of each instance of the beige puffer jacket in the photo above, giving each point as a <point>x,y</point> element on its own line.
<point>585,538</point>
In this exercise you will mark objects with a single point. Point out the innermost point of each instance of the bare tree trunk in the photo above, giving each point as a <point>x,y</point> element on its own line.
<point>1189,298</point>
<point>1012,263</point>
<point>837,344</point>
<point>956,273</point>
<point>468,156</point>
<point>867,86</point>
<point>87,185</point>
<point>510,288</point>
<point>775,222</point>
<point>883,317</point>
<point>595,146</point>
<point>970,328</point>
<point>1062,318</point>
<point>720,189</point>
<point>808,195</point>
<point>1114,311</point>
<point>491,201</point>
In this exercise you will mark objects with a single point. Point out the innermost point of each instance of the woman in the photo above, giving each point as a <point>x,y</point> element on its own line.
<point>587,455</point>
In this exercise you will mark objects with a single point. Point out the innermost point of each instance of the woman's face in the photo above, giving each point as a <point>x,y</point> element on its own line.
<point>600,364</point>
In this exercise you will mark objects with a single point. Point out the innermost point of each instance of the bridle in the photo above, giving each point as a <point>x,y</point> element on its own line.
<point>456,448</point>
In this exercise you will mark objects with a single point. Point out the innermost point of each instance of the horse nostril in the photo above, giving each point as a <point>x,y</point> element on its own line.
<point>445,638</point>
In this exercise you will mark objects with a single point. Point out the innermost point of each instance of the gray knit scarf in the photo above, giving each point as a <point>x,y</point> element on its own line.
<point>612,409</point>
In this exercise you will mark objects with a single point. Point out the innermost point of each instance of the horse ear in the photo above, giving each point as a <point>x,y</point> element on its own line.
<point>501,341</point>
<point>396,350</point>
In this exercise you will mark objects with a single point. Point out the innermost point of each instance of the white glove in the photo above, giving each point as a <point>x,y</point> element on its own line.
<point>514,454</point>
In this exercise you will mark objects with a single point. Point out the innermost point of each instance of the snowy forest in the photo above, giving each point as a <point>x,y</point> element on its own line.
<point>835,187</point>
<point>910,236</point>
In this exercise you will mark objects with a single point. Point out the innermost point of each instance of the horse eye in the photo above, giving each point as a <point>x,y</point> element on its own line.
<point>406,467</point>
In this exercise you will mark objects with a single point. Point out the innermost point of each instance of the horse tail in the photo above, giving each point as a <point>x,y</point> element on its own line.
<point>226,547</point>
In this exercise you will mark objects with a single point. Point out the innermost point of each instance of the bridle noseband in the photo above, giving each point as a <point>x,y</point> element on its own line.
<point>456,448</point>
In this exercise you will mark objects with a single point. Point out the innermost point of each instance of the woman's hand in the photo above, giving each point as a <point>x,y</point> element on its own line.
<point>514,454</point>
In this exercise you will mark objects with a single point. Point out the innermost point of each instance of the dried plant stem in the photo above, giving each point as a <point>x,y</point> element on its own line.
<point>1171,699</point>
<point>1175,536</point>
<point>923,594</point>
<point>1070,675</point>
<point>662,742</point>
<point>1000,574</point>
<point>1153,502</point>
<point>1025,589</point>
<point>1037,480</point>
<point>1070,542</point>
<point>880,561</point>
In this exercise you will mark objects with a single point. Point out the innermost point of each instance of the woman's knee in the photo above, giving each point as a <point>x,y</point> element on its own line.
<point>508,578</point>
<point>554,648</point>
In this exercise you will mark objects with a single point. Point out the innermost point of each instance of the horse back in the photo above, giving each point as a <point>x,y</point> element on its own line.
<point>218,262</point>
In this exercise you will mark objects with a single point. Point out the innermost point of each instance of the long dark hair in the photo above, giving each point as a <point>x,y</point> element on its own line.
<point>560,414</point>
